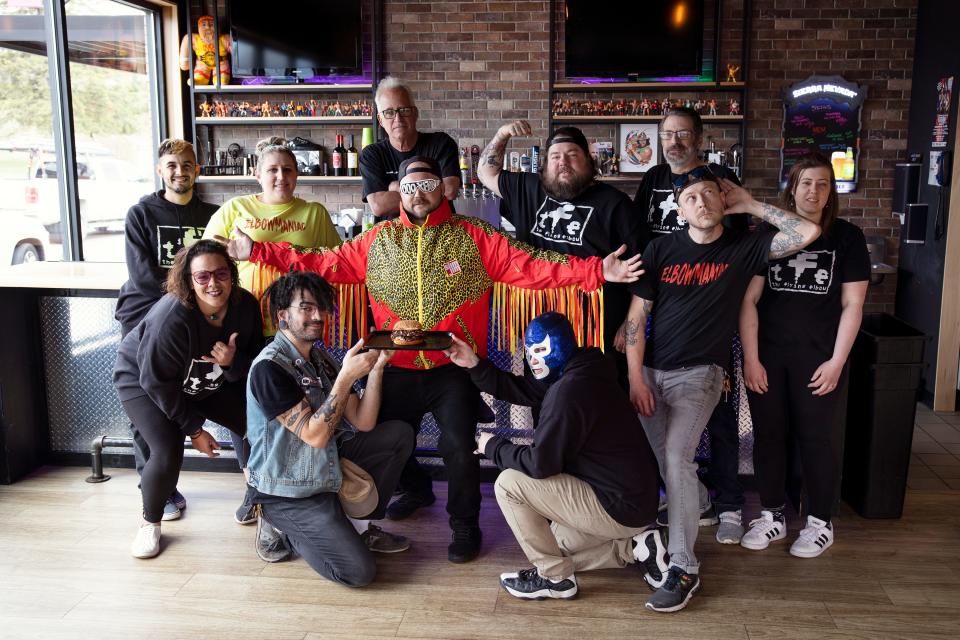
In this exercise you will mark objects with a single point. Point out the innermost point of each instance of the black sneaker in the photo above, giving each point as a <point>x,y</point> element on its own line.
<point>530,585</point>
<point>707,519</point>
<point>650,550</point>
<point>271,544</point>
<point>404,506</point>
<point>466,544</point>
<point>675,592</point>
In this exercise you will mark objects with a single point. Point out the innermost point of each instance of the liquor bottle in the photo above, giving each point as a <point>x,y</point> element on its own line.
<point>338,158</point>
<point>353,159</point>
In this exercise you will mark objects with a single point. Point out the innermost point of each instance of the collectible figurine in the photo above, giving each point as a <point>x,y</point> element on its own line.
<point>734,107</point>
<point>713,106</point>
<point>645,107</point>
<point>206,109</point>
<point>732,72</point>
<point>203,49</point>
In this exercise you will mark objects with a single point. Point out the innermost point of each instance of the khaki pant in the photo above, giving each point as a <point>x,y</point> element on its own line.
<point>582,535</point>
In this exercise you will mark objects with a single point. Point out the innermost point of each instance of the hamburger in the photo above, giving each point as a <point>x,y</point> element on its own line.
<point>407,332</point>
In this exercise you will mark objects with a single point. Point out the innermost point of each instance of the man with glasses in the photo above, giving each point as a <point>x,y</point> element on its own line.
<point>681,135</point>
<point>693,284</point>
<point>565,209</point>
<point>439,269</point>
<point>156,228</point>
<point>303,420</point>
<point>397,114</point>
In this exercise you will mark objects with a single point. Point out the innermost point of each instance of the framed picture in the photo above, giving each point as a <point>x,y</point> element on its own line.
<point>638,146</point>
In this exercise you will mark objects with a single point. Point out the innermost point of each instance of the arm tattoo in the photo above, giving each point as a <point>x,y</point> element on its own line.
<point>493,153</point>
<point>329,413</point>
<point>789,238</point>
<point>631,332</point>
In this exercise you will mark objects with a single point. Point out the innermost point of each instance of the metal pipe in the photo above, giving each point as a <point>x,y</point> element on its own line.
<point>96,454</point>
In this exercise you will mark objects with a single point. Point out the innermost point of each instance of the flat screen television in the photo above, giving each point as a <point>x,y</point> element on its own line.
<point>297,38</point>
<point>642,38</point>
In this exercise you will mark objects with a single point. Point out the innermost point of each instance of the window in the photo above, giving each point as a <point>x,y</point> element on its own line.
<point>113,71</point>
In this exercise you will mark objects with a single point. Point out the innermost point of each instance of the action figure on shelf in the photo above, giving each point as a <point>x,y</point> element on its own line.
<point>645,107</point>
<point>205,50</point>
<point>699,105</point>
<point>713,106</point>
<point>206,109</point>
<point>220,109</point>
<point>734,107</point>
<point>732,72</point>
<point>265,109</point>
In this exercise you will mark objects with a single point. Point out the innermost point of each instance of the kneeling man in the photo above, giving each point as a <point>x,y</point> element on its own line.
<point>303,418</point>
<point>585,493</point>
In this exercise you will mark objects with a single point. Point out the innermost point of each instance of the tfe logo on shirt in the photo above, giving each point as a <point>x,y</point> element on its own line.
<point>663,214</point>
<point>561,221</point>
<point>170,240</point>
<point>805,272</point>
<point>203,376</point>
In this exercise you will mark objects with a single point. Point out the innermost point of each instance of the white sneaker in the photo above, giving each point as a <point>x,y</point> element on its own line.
<point>814,539</point>
<point>730,530</point>
<point>147,542</point>
<point>763,531</point>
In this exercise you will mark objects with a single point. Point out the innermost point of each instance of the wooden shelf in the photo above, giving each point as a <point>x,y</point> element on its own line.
<point>285,88</point>
<point>301,180</point>
<point>614,119</point>
<point>253,120</point>
<point>662,86</point>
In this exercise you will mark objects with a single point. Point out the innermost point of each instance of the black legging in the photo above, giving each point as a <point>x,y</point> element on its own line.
<point>227,407</point>
<point>789,407</point>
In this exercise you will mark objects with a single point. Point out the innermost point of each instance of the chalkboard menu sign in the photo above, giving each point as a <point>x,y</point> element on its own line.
<point>822,114</point>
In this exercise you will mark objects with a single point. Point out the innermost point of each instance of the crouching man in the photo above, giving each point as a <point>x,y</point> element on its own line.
<point>303,420</point>
<point>585,493</point>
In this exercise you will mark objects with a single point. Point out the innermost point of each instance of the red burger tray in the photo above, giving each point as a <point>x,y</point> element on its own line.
<point>432,341</point>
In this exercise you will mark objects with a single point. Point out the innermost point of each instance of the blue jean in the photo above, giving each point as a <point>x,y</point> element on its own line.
<point>317,527</point>
<point>684,399</point>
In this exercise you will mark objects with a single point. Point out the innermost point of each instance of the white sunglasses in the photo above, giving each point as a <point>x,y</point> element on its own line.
<point>427,186</point>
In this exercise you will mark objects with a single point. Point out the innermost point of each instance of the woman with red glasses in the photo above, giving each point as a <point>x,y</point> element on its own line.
<point>186,363</point>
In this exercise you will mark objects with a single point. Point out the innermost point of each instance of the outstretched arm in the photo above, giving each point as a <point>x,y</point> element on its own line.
<point>795,233</point>
<point>491,159</point>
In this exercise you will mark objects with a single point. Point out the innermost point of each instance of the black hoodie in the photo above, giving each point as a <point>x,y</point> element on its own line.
<point>155,230</point>
<point>587,429</point>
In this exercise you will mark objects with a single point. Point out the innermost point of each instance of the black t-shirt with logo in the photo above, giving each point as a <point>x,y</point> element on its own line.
<point>696,291</point>
<point>379,162</point>
<point>656,202</point>
<point>595,223</point>
<point>801,302</point>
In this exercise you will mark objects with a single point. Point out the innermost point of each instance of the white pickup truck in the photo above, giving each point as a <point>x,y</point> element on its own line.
<point>107,187</point>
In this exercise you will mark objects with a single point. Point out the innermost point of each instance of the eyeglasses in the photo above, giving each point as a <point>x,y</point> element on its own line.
<point>404,112</point>
<point>308,308</point>
<point>697,174</point>
<point>427,186</point>
<point>203,277</point>
<point>683,134</point>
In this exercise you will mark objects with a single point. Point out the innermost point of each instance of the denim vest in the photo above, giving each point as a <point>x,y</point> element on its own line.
<point>281,464</point>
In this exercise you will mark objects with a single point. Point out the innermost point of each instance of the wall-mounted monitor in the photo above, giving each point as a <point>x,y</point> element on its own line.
<point>634,38</point>
<point>306,38</point>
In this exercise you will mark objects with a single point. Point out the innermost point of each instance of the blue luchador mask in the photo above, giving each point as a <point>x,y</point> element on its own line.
<point>548,344</point>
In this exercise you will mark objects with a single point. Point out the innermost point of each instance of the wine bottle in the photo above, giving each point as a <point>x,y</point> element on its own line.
<point>338,158</point>
<point>353,159</point>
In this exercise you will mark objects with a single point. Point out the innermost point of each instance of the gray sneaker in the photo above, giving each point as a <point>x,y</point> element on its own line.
<point>271,544</point>
<point>170,510</point>
<point>382,541</point>
<point>731,527</point>
<point>675,592</point>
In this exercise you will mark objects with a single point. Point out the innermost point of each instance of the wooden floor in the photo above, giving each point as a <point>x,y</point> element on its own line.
<point>65,572</point>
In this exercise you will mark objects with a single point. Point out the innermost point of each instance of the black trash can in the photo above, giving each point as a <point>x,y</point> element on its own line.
<point>885,366</point>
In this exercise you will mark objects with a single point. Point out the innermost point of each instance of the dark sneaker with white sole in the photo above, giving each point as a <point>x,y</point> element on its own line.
<point>170,510</point>
<point>271,544</point>
<point>382,541</point>
<point>405,506</point>
<point>179,500</point>
<point>528,584</point>
<point>676,591</point>
<point>650,550</point>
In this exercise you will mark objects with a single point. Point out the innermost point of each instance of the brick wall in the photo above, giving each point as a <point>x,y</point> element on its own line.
<point>475,65</point>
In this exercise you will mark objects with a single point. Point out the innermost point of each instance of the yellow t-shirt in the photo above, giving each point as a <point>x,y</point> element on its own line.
<point>299,222</point>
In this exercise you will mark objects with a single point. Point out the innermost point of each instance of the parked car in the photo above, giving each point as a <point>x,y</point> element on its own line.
<point>108,187</point>
<point>22,239</point>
